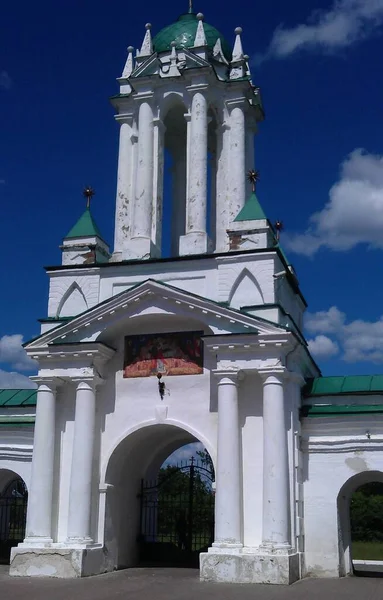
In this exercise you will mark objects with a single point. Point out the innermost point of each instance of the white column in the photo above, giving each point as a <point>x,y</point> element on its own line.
<point>195,239</point>
<point>158,184</point>
<point>237,164</point>
<point>228,476</point>
<point>143,204</point>
<point>276,493</point>
<point>40,497</point>
<point>123,225</point>
<point>82,460</point>
<point>223,188</point>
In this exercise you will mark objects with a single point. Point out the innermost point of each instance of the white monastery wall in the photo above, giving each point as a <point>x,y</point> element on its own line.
<point>337,451</point>
<point>236,280</point>
<point>73,292</point>
<point>16,447</point>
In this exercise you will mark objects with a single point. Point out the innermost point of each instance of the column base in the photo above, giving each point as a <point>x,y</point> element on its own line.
<point>194,243</point>
<point>140,248</point>
<point>249,567</point>
<point>58,561</point>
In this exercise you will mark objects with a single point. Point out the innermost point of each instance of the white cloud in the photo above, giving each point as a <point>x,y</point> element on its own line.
<point>329,321</point>
<point>359,341</point>
<point>5,81</point>
<point>12,380</point>
<point>354,213</point>
<point>12,353</point>
<point>344,24</point>
<point>323,347</point>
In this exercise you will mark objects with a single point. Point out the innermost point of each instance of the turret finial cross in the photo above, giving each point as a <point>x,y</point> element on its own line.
<point>190,6</point>
<point>88,193</point>
<point>253,176</point>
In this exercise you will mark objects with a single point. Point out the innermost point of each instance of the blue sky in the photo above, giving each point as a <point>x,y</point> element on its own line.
<point>320,150</point>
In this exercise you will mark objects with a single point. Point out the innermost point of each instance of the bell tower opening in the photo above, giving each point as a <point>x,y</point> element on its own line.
<point>175,177</point>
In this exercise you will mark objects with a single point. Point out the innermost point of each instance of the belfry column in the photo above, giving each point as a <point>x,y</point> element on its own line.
<point>228,478</point>
<point>237,160</point>
<point>142,211</point>
<point>276,493</point>
<point>122,232</point>
<point>195,240</point>
<point>40,498</point>
<point>82,460</point>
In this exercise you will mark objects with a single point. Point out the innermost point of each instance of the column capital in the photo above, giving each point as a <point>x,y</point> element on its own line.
<point>144,97</point>
<point>160,124</point>
<point>125,118</point>
<point>87,383</point>
<point>228,376</point>
<point>274,374</point>
<point>50,383</point>
<point>236,103</point>
<point>197,87</point>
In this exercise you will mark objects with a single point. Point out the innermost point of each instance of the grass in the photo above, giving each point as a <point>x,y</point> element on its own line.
<point>367,550</point>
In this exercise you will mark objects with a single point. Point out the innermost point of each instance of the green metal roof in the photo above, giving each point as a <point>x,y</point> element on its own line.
<point>85,227</point>
<point>183,32</point>
<point>354,384</point>
<point>333,410</point>
<point>14,398</point>
<point>252,211</point>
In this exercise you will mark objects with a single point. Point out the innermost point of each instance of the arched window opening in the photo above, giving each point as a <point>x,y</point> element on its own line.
<point>13,514</point>
<point>366,522</point>
<point>174,196</point>
<point>177,509</point>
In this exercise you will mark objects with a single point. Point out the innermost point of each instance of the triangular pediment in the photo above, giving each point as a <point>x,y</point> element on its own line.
<point>154,298</point>
<point>159,65</point>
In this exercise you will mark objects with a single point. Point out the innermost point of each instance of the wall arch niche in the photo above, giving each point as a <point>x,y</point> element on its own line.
<point>175,175</point>
<point>146,523</point>
<point>360,550</point>
<point>13,512</point>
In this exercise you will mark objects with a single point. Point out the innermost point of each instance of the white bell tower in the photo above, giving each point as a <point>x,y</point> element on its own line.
<point>186,101</point>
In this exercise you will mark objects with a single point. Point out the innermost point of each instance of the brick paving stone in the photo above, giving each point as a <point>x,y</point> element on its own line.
<point>181,584</point>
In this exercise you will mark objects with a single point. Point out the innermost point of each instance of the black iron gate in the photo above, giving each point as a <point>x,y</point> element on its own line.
<point>13,513</point>
<point>177,515</point>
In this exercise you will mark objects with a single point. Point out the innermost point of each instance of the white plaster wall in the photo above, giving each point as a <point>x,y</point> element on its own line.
<point>335,449</point>
<point>16,446</point>
<point>84,285</point>
<point>238,280</point>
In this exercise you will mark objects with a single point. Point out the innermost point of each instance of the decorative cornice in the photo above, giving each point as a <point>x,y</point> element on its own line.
<point>16,453</point>
<point>250,324</point>
<point>336,446</point>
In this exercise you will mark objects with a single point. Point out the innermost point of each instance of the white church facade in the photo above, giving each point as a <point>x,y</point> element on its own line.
<point>142,353</point>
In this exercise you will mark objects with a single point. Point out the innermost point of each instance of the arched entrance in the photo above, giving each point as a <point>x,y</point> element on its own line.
<point>158,513</point>
<point>177,511</point>
<point>13,512</point>
<point>358,517</point>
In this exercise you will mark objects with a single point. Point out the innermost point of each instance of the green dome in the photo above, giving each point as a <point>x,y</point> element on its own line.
<point>183,33</point>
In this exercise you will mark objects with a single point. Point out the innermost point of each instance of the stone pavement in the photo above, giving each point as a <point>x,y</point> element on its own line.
<point>181,584</point>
